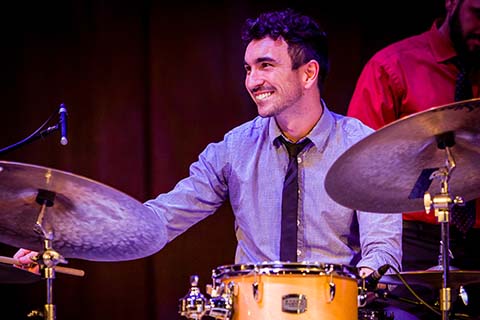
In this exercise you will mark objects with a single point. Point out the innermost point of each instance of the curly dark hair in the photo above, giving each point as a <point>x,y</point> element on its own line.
<point>305,39</point>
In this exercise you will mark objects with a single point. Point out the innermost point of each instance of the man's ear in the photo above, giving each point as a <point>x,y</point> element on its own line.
<point>310,72</point>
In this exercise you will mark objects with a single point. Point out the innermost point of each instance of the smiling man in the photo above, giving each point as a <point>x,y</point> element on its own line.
<point>286,63</point>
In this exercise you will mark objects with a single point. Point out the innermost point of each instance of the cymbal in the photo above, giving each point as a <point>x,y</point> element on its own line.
<point>433,279</point>
<point>382,172</point>
<point>88,220</point>
<point>10,274</point>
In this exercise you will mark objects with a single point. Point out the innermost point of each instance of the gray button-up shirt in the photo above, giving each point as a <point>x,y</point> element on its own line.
<point>248,168</point>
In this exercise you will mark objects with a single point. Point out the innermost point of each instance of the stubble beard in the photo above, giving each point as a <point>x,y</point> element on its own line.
<point>470,56</point>
<point>278,108</point>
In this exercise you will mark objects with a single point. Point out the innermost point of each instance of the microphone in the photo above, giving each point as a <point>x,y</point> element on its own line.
<point>371,281</point>
<point>63,124</point>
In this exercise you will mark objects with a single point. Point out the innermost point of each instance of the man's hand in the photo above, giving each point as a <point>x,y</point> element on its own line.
<point>27,260</point>
<point>364,272</point>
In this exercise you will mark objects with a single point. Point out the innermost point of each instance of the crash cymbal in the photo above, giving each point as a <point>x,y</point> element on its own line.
<point>433,279</point>
<point>389,170</point>
<point>89,220</point>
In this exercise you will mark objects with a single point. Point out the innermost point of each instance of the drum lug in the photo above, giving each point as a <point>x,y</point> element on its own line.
<point>232,289</point>
<point>255,289</point>
<point>332,290</point>
<point>256,286</point>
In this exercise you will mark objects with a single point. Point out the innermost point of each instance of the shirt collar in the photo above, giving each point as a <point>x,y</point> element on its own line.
<point>441,44</point>
<point>318,135</point>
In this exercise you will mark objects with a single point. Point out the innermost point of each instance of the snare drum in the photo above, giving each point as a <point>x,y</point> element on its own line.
<point>284,291</point>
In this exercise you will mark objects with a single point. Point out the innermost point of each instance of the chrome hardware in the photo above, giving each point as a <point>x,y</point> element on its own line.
<point>195,306</point>
<point>463,295</point>
<point>255,291</point>
<point>332,288</point>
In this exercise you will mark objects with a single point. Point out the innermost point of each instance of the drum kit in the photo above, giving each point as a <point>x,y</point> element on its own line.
<point>40,211</point>
<point>443,142</point>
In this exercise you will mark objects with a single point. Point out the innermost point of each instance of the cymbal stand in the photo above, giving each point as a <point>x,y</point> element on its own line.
<point>439,265</point>
<point>442,204</point>
<point>49,258</point>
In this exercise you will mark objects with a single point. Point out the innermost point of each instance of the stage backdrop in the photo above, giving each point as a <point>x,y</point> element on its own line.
<point>147,85</point>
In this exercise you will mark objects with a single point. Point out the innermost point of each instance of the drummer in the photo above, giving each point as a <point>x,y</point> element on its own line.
<point>286,65</point>
<point>412,75</point>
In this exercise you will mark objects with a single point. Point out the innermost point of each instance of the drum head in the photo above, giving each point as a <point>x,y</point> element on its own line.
<point>276,268</point>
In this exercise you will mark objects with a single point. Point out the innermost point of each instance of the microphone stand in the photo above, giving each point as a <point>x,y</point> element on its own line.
<point>36,135</point>
<point>29,140</point>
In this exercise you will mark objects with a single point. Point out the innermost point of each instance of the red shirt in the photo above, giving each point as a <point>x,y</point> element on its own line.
<point>406,77</point>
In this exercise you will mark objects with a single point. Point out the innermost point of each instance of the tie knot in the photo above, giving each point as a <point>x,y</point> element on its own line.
<point>294,148</point>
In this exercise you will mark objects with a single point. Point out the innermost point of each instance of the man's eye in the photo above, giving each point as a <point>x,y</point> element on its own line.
<point>266,65</point>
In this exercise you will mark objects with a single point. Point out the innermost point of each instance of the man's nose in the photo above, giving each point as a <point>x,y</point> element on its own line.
<point>253,80</point>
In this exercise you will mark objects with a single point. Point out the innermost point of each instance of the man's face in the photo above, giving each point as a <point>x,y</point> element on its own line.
<point>270,80</point>
<point>465,29</point>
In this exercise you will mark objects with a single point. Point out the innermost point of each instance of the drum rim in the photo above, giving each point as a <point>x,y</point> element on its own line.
<point>279,267</point>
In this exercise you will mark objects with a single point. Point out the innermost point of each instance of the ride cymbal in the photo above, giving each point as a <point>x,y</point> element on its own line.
<point>88,220</point>
<point>389,170</point>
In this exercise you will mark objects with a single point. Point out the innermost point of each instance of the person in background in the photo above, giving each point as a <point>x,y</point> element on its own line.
<point>434,68</point>
<point>286,64</point>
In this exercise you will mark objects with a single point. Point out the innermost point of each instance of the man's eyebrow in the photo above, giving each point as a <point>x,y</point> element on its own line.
<point>261,59</point>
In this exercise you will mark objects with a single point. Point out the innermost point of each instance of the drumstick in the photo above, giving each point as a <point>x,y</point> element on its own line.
<point>70,271</point>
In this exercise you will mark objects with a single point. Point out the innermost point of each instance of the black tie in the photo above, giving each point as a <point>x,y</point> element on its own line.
<point>463,218</point>
<point>288,237</point>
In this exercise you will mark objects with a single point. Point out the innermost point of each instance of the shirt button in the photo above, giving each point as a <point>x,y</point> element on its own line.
<point>299,159</point>
<point>299,252</point>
